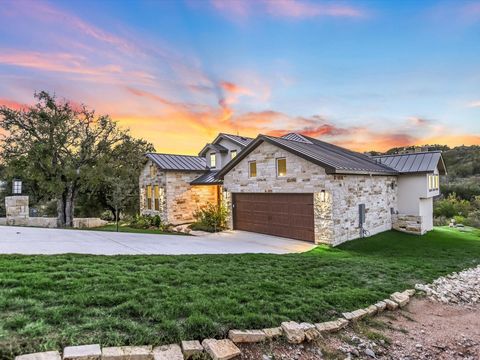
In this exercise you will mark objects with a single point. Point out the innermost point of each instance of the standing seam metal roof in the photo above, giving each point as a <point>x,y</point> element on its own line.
<point>412,163</point>
<point>178,162</point>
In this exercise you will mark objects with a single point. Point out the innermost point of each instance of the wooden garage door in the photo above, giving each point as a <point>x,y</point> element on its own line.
<point>287,215</point>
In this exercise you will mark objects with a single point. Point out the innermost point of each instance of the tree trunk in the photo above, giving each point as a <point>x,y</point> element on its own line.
<point>116,217</point>
<point>69,206</point>
<point>61,212</point>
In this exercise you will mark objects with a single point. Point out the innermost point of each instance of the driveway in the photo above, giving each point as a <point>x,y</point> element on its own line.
<point>26,240</point>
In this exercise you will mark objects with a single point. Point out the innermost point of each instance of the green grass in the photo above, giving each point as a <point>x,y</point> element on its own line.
<point>47,302</point>
<point>128,229</point>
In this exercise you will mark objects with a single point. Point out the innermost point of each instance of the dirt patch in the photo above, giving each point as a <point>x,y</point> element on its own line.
<point>422,330</point>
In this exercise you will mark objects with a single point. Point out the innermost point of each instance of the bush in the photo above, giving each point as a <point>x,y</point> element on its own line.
<point>451,206</point>
<point>473,219</point>
<point>146,222</point>
<point>440,221</point>
<point>211,218</point>
<point>459,219</point>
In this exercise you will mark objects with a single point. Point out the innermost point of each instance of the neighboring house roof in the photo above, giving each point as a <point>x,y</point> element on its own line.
<point>208,178</point>
<point>422,162</point>
<point>178,162</point>
<point>240,140</point>
<point>334,159</point>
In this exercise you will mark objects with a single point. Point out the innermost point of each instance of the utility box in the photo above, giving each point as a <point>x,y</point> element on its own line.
<point>361,215</point>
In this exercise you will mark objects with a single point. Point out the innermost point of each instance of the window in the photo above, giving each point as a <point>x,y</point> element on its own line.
<point>149,197</point>
<point>17,187</point>
<point>252,169</point>
<point>213,160</point>
<point>433,182</point>
<point>281,167</point>
<point>156,194</point>
<point>233,154</point>
<point>153,171</point>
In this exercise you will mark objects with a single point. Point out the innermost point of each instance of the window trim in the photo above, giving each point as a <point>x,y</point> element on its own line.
<point>250,168</point>
<point>214,157</point>
<point>276,166</point>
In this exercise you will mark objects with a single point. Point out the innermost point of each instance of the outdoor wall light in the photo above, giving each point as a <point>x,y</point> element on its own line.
<point>322,196</point>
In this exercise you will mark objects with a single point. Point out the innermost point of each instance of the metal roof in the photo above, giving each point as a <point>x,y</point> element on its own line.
<point>178,162</point>
<point>208,178</point>
<point>240,140</point>
<point>414,162</point>
<point>335,159</point>
<point>296,137</point>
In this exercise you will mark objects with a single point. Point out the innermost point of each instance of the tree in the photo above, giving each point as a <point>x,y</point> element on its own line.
<point>55,145</point>
<point>117,171</point>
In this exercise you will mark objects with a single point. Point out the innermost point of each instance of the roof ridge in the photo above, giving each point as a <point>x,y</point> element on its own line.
<point>155,153</point>
<point>413,153</point>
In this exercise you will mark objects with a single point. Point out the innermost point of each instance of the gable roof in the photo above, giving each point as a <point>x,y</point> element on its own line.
<point>422,162</point>
<point>334,159</point>
<point>178,162</point>
<point>239,140</point>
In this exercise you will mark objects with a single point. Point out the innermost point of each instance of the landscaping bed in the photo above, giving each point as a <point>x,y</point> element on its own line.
<point>47,302</point>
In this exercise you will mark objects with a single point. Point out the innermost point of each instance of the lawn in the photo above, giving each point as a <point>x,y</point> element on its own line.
<point>128,229</point>
<point>47,302</point>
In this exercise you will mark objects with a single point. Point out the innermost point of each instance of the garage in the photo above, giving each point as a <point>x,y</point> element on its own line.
<point>287,215</point>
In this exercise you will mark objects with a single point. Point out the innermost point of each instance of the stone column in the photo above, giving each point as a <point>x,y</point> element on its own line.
<point>323,221</point>
<point>17,210</point>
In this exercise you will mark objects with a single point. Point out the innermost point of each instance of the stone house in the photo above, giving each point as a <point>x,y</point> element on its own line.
<point>175,186</point>
<point>299,187</point>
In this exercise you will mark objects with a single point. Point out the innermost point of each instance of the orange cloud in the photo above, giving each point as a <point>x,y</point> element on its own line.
<point>12,104</point>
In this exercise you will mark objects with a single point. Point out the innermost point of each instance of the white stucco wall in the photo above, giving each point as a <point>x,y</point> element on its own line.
<point>426,212</point>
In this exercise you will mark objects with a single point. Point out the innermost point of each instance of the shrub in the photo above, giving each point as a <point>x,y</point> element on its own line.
<point>146,222</point>
<point>440,221</point>
<point>451,206</point>
<point>211,218</point>
<point>473,219</point>
<point>459,219</point>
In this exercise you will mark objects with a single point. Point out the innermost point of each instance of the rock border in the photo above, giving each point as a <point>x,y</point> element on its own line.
<point>224,349</point>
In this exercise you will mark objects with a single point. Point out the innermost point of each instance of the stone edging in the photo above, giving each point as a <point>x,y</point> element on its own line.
<point>224,349</point>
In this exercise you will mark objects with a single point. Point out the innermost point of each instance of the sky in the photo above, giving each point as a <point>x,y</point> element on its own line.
<point>367,75</point>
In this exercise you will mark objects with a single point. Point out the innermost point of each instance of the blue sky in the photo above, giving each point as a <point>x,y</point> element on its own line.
<point>363,74</point>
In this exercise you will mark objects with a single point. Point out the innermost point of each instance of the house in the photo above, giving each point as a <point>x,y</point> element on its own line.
<point>299,187</point>
<point>175,186</point>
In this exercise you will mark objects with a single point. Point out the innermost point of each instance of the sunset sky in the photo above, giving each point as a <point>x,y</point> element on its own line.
<point>368,75</point>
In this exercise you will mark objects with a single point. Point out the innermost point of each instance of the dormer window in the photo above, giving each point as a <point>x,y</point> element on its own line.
<point>213,160</point>
<point>233,154</point>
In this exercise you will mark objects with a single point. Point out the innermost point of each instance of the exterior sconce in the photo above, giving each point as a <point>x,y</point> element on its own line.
<point>17,187</point>
<point>322,196</point>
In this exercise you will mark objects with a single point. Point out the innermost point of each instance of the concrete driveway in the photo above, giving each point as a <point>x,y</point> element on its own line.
<point>26,240</point>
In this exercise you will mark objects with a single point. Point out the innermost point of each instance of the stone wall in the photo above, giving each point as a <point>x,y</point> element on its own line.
<point>178,200</point>
<point>411,224</point>
<point>17,210</point>
<point>160,179</point>
<point>376,192</point>
<point>336,211</point>
<point>184,199</point>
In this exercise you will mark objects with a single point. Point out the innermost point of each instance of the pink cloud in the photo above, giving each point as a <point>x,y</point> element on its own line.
<point>474,104</point>
<point>287,9</point>
<point>302,9</point>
